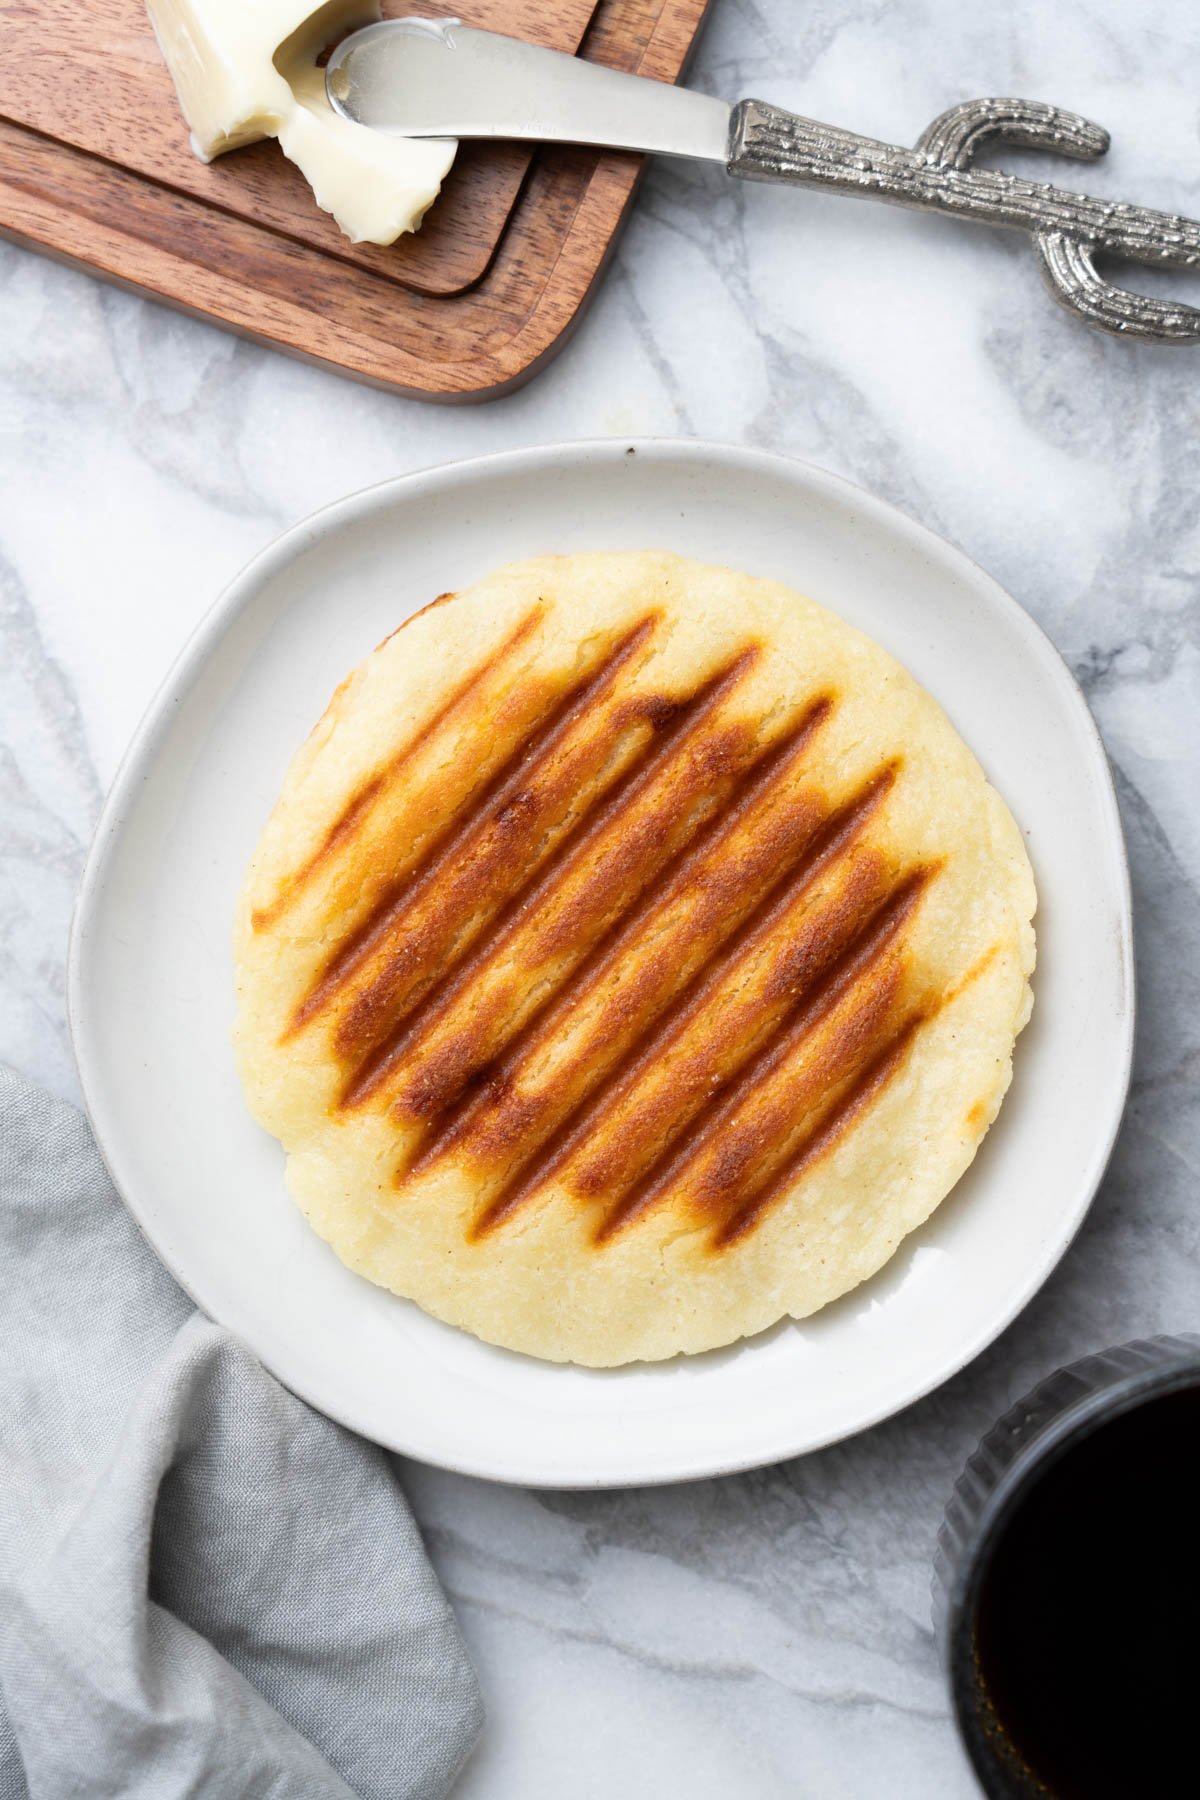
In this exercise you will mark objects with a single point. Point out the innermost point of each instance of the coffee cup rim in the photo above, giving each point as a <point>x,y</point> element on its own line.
<point>1050,1442</point>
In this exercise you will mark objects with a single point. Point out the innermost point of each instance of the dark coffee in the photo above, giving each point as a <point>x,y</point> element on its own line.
<point>1087,1633</point>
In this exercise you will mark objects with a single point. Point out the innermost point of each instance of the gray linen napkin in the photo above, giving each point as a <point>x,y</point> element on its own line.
<point>206,1589</point>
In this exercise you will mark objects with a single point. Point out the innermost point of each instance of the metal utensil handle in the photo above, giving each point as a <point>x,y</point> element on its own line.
<point>768,144</point>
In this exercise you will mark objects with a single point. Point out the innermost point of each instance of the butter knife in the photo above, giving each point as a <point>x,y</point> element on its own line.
<point>440,78</point>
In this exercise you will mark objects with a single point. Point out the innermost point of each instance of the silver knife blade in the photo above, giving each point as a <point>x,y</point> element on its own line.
<point>441,78</point>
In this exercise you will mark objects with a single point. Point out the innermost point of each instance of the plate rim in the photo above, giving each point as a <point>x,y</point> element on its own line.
<point>235,597</point>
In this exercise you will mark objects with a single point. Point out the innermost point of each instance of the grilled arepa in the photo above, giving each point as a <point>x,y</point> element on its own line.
<point>635,955</point>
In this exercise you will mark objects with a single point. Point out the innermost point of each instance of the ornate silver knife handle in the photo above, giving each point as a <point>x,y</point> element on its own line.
<point>440,78</point>
<point>1070,230</point>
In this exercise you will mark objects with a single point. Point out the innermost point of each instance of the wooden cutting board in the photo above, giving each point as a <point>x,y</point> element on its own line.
<point>96,167</point>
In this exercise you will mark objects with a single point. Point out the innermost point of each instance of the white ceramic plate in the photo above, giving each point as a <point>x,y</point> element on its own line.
<point>151,987</point>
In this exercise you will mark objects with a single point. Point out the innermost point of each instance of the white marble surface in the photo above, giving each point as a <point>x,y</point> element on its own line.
<point>769,1634</point>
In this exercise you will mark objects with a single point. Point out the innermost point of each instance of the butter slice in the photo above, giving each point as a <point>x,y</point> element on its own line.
<point>247,69</point>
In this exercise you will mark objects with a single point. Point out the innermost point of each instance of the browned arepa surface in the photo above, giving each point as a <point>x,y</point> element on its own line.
<point>633,958</point>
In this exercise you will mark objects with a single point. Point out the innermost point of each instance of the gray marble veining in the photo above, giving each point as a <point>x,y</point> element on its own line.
<point>767,1634</point>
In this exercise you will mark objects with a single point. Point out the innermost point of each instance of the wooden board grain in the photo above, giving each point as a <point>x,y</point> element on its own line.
<point>92,77</point>
<point>95,167</point>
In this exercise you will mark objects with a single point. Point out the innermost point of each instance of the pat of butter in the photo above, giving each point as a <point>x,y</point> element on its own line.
<point>247,69</point>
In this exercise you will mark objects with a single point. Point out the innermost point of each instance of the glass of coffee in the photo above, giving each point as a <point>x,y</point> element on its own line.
<point>1067,1584</point>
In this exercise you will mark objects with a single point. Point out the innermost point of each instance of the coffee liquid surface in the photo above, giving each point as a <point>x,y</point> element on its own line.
<point>1088,1630</point>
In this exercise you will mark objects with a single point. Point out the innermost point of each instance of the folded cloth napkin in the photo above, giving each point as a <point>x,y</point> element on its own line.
<point>206,1589</point>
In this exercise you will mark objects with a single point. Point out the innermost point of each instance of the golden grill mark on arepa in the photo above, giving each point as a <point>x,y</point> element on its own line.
<point>823,1136</point>
<point>497,809</point>
<point>747,1075</point>
<point>819,1048</point>
<point>784,1046</point>
<point>857,1095</point>
<point>554,880</point>
<point>638,969</point>
<point>543,902</point>
<point>755,924</point>
<point>364,799</point>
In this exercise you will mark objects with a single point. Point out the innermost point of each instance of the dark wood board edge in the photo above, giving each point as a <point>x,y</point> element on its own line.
<point>154,271</point>
<point>505,348</point>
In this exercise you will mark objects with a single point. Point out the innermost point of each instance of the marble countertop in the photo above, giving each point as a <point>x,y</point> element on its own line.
<point>766,1634</point>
